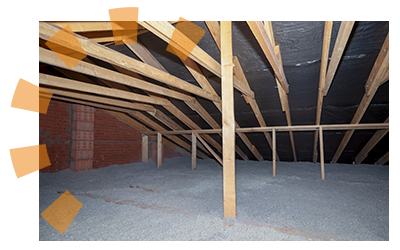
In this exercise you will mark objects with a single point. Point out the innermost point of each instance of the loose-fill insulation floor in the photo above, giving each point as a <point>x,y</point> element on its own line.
<point>140,202</point>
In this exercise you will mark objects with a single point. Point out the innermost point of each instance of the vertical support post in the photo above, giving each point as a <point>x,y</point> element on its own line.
<point>321,148</point>
<point>273,152</point>
<point>159,150</point>
<point>145,148</point>
<point>228,121</point>
<point>194,149</point>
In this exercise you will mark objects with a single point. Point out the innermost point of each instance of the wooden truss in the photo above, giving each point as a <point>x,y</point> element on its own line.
<point>122,91</point>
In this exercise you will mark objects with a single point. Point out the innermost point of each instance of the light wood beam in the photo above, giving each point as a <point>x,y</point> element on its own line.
<point>366,126</point>
<point>371,144</point>
<point>165,30</point>
<point>159,150</point>
<point>261,36</point>
<point>362,108</point>
<point>321,148</point>
<point>49,57</point>
<point>209,148</point>
<point>340,45</point>
<point>60,82</point>
<point>322,76</point>
<point>273,152</point>
<point>380,71</point>
<point>283,96</point>
<point>47,30</point>
<point>145,148</point>
<point>214,28</point>
<point>149,59</point>
<point>228,121</point>
<point>194,158</point>
<point>383,160</point>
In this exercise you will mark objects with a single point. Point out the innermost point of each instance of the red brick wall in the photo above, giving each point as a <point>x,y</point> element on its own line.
<point>54,131</point>
<point>114,141</point>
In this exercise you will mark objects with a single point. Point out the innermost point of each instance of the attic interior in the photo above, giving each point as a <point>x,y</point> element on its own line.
<point>291,84</point>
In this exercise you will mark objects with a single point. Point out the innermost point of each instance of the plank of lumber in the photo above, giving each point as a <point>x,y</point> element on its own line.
<point>371,144</point>
<point>237,72</point>
<point>159,150</point>
<point>165,30</point>
<point>283,96</point>
<point>145,148</point>
<point>362,108</point>
<point>366,126</point>
<point>273,152</point>
<point>205,84</point>
<point>322,76</point>
<point>261,36</point>
<point>321,148</point>
<point>193,152</point>
<point>48,57</point>
<point>228,121</point>
<point>340,44</point>
<point>47,30</point>
<point>209,148</point>
<point>149,59</point>
<point>107,101</point>
<point>383,159</point>
<point>380,71</point>
<point>54,81</point>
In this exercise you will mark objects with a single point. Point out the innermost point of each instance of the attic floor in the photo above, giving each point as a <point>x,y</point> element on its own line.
<point>140,202</point>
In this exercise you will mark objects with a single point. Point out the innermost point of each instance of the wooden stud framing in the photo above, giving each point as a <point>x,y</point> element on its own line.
<point>365,126</point>
<point>145,148</point>
<point>371,144</point>
<point>165,30</point>
<point>193,152</point>
<point>208,147</point>
<point>340,44</point>
<point>362,108</point>
<point>228,121</point>
<point>321,148</point>
<point>47,30</point>
<point>159,150</point>
<point>283,96</point>
<point>383,160</point>
<point>322,76</point>
<point>261,35</point>
<point>273,152</point>
<point>48,57</point>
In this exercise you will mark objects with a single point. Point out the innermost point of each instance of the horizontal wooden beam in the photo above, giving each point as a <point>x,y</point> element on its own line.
<point>60,82</point>
<point>48,30</point>
<point>107,101</point>
<point>370,126</point>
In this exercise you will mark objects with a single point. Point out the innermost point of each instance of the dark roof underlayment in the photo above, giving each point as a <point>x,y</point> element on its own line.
<point>301,49</point>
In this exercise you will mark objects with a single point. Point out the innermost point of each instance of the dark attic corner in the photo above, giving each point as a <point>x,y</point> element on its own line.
<point>252,116</point>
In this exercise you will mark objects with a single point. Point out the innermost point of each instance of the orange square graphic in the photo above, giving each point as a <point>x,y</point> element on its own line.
<point>30,97</point>
<point>185,38</point>
<point>27,160</point>
<point>62,211</point>
<point>66,46</point>
<point>124,24</point>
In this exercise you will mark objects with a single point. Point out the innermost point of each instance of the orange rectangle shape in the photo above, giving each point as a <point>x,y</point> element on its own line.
<point>185,38</point>
<point>124,24</point>
<point>30,97</point>
<point>27,160</point>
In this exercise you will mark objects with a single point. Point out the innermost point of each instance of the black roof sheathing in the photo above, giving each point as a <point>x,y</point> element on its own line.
<point>301,48</point>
